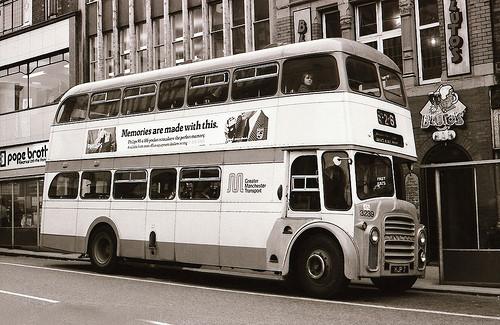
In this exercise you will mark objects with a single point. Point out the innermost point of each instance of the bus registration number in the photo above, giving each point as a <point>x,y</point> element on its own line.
<point>386,118</point>
<point>399,269</point>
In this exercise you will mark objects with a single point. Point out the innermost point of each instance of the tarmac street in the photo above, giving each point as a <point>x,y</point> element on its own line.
<point>45,290</point>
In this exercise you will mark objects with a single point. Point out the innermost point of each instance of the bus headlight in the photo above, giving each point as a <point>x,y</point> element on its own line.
<point>374,236</point>
<point>422,256</point>
<point>422,238</point>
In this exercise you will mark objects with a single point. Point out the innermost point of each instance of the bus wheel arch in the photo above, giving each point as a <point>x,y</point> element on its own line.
<point>102,245</point>
<point>334,238</point>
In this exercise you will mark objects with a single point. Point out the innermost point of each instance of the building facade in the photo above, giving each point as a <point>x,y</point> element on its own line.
<point>36,68</point>
<point>448,51</point>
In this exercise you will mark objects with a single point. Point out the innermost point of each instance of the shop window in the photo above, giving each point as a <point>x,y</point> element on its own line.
<point>73,109</point>
<point>141,37</point>
<point>196,29</point>
<point>159,43</point>
<point>304,187</point>
<point>393,86</point>
<point>130,185</point>
<point>362,77</point>
<point>208,89</point>
<point>105,104</point>
<point>95,185</point>
<point>64,186</point>
<point>140,99</point>
<point>14,89</point>
<point>379,26</point>
<point>163,184</point>
<point>336,181</point>
<point>428,40</point>
<point>255,82</point>
<point>321,72</point>
<point>125,63</point>
<point>177,37</point>
<point>331,23</point>
<point>199,184</point>
<point>216,33</point>
<point>238,26</point>
<point>171,94</point>
<point>261,24</point>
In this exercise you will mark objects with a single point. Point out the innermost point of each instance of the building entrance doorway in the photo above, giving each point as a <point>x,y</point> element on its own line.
<point>457,195</point>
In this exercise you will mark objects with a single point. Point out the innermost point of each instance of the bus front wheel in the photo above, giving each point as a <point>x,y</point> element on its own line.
<point>320,267</point>
<point>102,250</point>
<point>394,284</point>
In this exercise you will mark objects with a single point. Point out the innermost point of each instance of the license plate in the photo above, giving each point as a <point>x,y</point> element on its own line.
<point>399,269</point>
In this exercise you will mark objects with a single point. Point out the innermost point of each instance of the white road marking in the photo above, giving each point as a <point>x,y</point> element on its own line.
<point>332,302</point>
<point>153,322</point>
<point>29,297</point>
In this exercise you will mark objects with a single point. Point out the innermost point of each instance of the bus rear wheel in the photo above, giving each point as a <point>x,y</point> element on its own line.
<point>102,250</point>
<point>394,284</point>
<point>320,267</point>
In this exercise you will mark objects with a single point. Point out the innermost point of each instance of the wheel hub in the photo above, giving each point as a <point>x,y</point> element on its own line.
<point>316,265</point>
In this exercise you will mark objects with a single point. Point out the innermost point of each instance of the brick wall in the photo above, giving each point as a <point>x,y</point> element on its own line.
<point>480,31</point>
<point>496,29</point>
<point>284,30</point>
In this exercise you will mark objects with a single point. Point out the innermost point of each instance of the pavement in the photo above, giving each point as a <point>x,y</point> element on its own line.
<point>429,283</point>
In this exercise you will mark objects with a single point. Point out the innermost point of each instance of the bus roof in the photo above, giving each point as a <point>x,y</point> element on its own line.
<point>265,55</point>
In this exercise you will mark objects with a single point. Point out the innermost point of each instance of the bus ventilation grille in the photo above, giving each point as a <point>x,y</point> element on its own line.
<point>399,239</point>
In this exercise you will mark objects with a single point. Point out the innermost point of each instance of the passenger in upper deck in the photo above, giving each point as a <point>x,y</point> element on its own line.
<point>307,83</point>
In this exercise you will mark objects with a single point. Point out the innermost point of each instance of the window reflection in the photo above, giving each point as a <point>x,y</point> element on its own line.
<point>37,83</point>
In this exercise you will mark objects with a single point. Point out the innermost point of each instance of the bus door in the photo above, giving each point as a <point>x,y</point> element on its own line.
<point>197,220</point>
<point>303,188</point>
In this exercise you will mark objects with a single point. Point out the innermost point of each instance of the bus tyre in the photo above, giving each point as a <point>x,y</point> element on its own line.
<point>102,250</point>
<point>394,284</point>
<point>320,268</point>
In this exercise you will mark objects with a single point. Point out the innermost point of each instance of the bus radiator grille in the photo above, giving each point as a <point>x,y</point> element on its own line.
<point>399,239</point>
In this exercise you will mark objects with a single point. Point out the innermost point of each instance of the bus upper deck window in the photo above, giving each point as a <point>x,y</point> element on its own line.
<point>321,73</point>
<point>362,76</point>
<point>106,104</point>
<point>255,82</point>
<point>393,86</point>
<point>140,99</point>
<point>73,109</point>
<point>171,94</point>
<point>208,89</point>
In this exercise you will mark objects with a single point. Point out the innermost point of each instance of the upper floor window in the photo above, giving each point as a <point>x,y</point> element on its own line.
<point>125,63</point>
<point>331,23</point>
<point>105,104</point>
<point>177,30</point>
<point>108,55</point>
<point>73,109</point>
<point>139,99</point>
<point>142,47</point>
<point>309,74</point>
<point>428,40</point>
<point>196,29</point>
<point>261,24</point>
<point>216,34</point>
<point>238,26</point>
<point>254,82</point>
<point>208,89</point>
<point>159,43</point>
<point>379,26</point>
<point>362,76</point>
<point>12,15</point>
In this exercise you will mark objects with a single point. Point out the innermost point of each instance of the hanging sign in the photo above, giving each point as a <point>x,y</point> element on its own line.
<point>442,111</point>
<point>457,37</point>
<point>302,25</point>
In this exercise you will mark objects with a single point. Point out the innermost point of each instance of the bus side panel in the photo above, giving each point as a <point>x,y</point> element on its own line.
<point>88,211</point>
<point>58,230</point>
<point>249,211</point>
<point>160,218</point>
<point>197,231</point>
<point>129,217</point>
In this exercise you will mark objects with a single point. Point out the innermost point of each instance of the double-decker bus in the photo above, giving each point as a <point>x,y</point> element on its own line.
<point>288,161</point>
